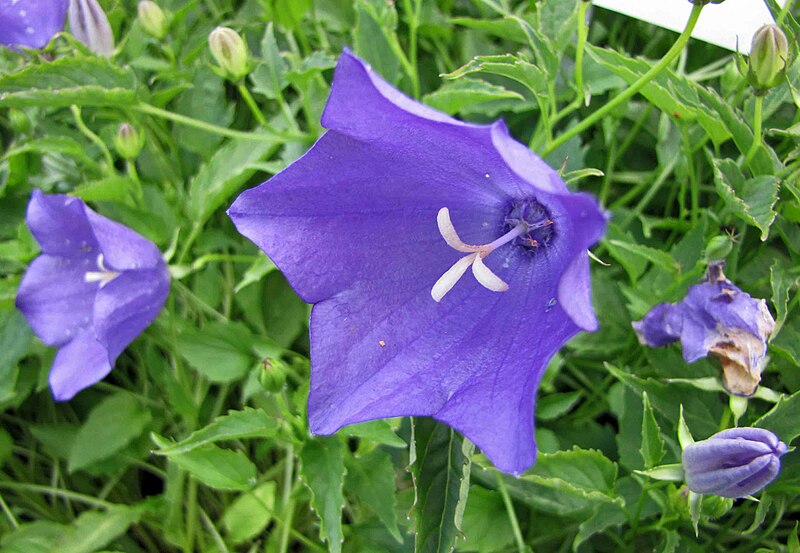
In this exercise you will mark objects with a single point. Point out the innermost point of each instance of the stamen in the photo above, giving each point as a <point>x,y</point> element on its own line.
<point>103,276</point>
<point>475,256</point>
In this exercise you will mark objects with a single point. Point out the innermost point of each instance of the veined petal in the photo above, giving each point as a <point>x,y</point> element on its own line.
<point>79,364</point>
<point>451,276</point>
<point>575,293</point>
<point>30,23</point>
<point>486,277</point>
<point>89,24</point>
<point>123,249</point>
<point>60,226</point>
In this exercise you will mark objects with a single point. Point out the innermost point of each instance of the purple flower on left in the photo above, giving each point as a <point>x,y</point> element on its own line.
<point>94,289</point>
<point>31,23</point>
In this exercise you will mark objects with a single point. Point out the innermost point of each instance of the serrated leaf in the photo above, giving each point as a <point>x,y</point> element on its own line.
<point>453,96</point>
<point>372,479</point>
<point>269,76</point>
<point>749,199</point>
<point>782,419</point>
<point>222,352</point>
<point>236,425</point>
<point>486,523</point>
<point>94,530</point>
<point>440,470</point>
<point>323,472</point>
<point>652,449</point>
<point>214,466</point>
<point>781,284</point>
<point>112,424</point>
<point>82,81</point>
<point>250,513</point>
<point>225,172</point>
<point>507,65</point>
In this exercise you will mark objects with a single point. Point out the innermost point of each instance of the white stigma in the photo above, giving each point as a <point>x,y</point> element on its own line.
<point>474,257</point>
<point>103,276</point>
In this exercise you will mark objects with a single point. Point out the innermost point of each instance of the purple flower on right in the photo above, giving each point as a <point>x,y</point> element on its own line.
<point>733,463</point>
<point>715,318</point>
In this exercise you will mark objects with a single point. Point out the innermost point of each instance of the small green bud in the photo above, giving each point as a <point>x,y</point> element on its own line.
<point>769,54</point>
<point>128,142</point>
<point>230,51</point>
<point>18,121</point>
<point>714,506</point>
<point>718,248</point>
<point>152,19</point>
<point>273,375</point>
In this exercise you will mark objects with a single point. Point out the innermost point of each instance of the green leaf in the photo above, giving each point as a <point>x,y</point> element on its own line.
<point>782,419</point>
<point>269,76</point>
<point>781,284</point>
<point>453,96</point>
<point>250,513</point>
<point>236,425</point>
<point>108,189</point>
<point>82,81</point>
<point>376,431</point>
<point>654,256</point>
<point>652,449</point>
<point>15,337</point>
<point>672,473</point>
<point>486,523</point>
<point>222,352</point>
<point>751,200</point>
<point>224,174</point>
<point>323,472</point>
<point>793,543</point>
<point>214,466</point>
<point>372,479</point>
<point>554,406</point>
<point>112,424</point>
<point>374,38</point>
<point>204,100</point>
<point>34,537</point>
<point>507,65</point>
<point>92,531</point>
<point>440,465</point>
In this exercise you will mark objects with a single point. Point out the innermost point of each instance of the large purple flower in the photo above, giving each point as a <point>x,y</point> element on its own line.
<point>715,318</point>
<point>96,287</point>
<point>367,225</point>
<point>31,23</point>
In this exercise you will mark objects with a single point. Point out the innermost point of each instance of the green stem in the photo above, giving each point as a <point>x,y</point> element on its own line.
<point>191,514</point>
<point>55,492</point>
<point>412,12</point>
<point>786,10</point>
<point>286,499</point>
<point>583,33</point>
<point>512,515</point>
<point>134,175</point>
<point>759,104</point>
<point>251,103</point>
<point>9,515</point>
<point>87,132</point>
<point>633,89</point>
<point>196,123</point>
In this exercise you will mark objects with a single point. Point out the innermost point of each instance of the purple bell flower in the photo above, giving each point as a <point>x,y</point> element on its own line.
<point>89,24</point>
<point>368,226</point>
<point>96,287</point>
<point>718,318</point>
<point>733,463</point>
<point>30,23</point>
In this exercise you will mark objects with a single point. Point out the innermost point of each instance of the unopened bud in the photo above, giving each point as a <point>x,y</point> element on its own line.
<point>718,248</point>
<point>89,24</point>
<point>769,55</point>
<point>128,142</point>
<point>152,19</point>
<point>734,463</point>
<point>273,375</point>
<point>230,51</point>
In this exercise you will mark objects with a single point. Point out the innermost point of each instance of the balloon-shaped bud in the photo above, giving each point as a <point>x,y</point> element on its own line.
<point>128,142</point>
<point>230,51</point>
<point>152,19</point>
<point>718,248</point>
<point>733,463</point>
<point>769,55</point>
<point>273,375</point>
<point>89,24</point>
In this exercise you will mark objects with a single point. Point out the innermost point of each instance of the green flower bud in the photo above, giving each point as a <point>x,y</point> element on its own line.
<point>769,55</point>
<point>152,19</point>
<point>718,248</point>
<point>230,51</point>
<point>273,375</point>
<point>128,142</point>
<point>714,506</point>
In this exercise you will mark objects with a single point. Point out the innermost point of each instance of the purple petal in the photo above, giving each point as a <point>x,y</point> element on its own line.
<point>79,364</point>
<point>127,305</point>
<point>30,23</point>
<point>60,225</point>
<point>123,249</point>
<point>55,299</point>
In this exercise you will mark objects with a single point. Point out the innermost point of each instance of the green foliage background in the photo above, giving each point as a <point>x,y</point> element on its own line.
<point>198,440</point>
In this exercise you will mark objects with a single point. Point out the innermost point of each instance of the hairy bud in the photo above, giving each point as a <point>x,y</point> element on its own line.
<point>769,55</point>
<point>230,51</point>
<point>152,19</point>
<point>128,141</point>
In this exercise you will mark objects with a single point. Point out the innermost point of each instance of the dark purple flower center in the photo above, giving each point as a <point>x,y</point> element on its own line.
<point>540,226</point>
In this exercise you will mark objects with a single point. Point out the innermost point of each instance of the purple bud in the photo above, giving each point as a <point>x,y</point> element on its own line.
<point>733,463</point>
<point>89,24</point>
